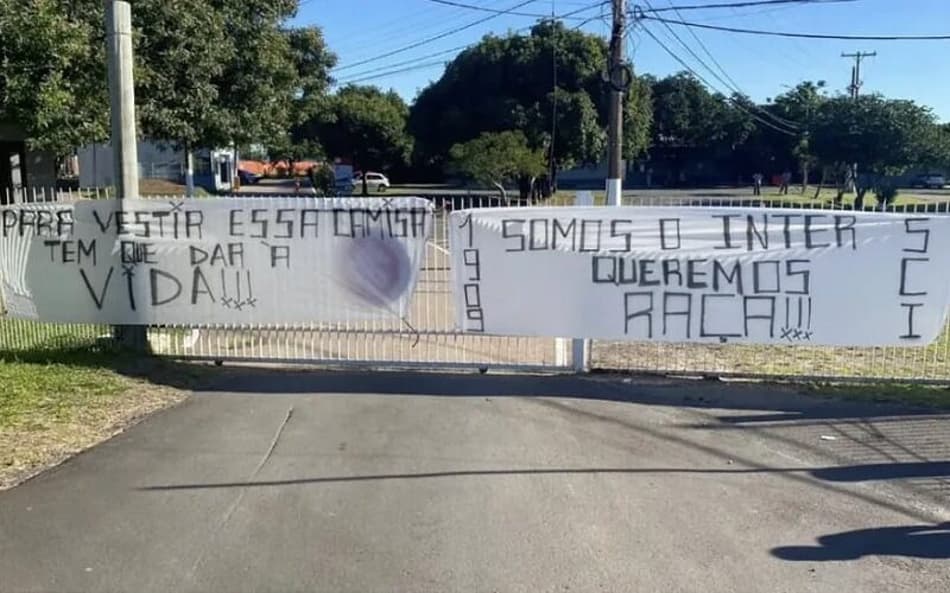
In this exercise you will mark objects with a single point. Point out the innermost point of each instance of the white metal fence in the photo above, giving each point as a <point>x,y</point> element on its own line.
<point>428,339</point>
<point>930,364</point>
<point>25,195</point>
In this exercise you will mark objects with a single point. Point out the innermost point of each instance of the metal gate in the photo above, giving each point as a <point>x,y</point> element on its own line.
<point>428,339</point>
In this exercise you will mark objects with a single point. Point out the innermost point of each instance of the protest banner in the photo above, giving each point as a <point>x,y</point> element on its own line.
<point>721,275</point>
<point>223,261</point>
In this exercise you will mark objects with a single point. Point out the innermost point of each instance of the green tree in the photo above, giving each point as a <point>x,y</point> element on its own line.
<point>52,79</point>
<point>278,79</point>
<point>210,75</point>
<point>497,158</point>
<point>181,48</point>
<point>800,106</point>
<point>363,124</point>
<point>507,83</point>
<point>881,136</point>
<point>691,124</point>
<point>207,73</point>
<point>936,153</point>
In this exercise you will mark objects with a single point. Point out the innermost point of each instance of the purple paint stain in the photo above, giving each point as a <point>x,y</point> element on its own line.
<point>377,271</point>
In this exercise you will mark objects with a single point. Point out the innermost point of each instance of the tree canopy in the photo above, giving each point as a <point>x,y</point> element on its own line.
<point>363,124</point>
<point>52,80</point>
<point>508,83</point>
<point>881,136</point>
<point>497,158</point>
<point>207,73</point>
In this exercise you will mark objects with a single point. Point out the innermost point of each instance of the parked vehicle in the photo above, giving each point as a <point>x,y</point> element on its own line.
<point>248,178</point>
<point>374,181</point>
<point>930,181</point>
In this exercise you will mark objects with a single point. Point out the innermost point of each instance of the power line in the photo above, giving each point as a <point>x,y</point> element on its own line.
<point>371,37</point>
<point>706,82</point>
<point>798,35</point>
<point>551,163</point>
<point>359,76</point>
<point>433,38</point>
<point>495,10</point>
<point>399,64</point>
<point>421,66</point>
<point>741,5</point>
<point>734,87</point>
<point>459,30</point>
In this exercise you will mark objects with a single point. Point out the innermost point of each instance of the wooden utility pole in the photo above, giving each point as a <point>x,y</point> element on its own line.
<point>125,160</point>
<point>856,81</point>
<point>619,78</point>
<point>855,89</point>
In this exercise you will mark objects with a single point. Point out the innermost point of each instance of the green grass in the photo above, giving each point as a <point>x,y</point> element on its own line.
<point>57,402</point>
<point>825,197</point>
<point>38,394</point>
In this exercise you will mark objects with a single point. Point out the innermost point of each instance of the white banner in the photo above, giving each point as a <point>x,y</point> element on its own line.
<point>702,274</point>
<point>213,261</point>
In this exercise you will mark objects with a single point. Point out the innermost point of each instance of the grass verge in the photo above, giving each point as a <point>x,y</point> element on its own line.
<point>162,187</point>
<point>904,393</point>
<point>56,403</point>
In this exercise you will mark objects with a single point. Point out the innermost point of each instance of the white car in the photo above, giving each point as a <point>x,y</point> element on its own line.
<point>374,182</point>
<point>930,181</point>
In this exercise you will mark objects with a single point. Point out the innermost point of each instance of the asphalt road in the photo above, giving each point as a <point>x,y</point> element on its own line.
<point>337,483</point>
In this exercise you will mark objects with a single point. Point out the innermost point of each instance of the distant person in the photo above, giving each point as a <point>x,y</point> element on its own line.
<point>757,184</point>
<point>786,179</point>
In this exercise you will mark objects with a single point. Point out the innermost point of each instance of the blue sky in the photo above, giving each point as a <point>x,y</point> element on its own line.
<point>362,30</point>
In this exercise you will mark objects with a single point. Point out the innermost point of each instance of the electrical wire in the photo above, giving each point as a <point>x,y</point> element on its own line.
<point>399,64</point>
<point>421,66</point>
<point>495,10</point>
<point>553,93</point>
<point>421,22</point>
<point>729,82</point>
<point>359,77</point>
<point>734,88</point>
<point>455,31</point>
<point>742,5</point>
<point>797,35</point>
<point>699,76</point>
<point>428,40</point>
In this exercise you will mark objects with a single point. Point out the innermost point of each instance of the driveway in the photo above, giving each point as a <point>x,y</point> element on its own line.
<point>274,481</point>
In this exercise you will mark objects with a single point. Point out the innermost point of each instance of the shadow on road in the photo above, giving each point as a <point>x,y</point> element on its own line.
<point>884,471</point>
<point>765,403</point>
<point>854,473</point>
<point>896,443</point>
<point>917,541</point>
